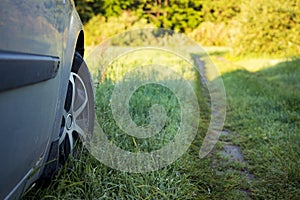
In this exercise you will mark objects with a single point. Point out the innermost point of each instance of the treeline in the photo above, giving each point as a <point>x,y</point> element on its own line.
<point>270,27</point>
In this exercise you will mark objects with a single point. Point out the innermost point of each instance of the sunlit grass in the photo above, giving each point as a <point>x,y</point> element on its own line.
<point>90,179</point>
<point>263,111</point>
<point>263,106</point>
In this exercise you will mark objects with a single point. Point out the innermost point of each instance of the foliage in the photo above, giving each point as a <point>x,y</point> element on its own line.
<point>249,27</point>
<point>269,27</point>
<point>86,9</point>
<point>99,28</point>
<point>211,34</point>
<point>182,16</point>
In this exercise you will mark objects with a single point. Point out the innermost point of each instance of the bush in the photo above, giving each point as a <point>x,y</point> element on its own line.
<point>211,34</point>
<point>100,28</point>
<point>254,27</point>
<point>269,28</point>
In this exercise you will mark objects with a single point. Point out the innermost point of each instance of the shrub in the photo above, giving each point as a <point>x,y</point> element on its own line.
<point>269,28</point>
<point>100,28</point>
<point>211,34</point>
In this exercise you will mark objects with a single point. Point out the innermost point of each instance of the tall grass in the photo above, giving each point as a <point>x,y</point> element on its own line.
<point>90,179</point>
<point>264,112</point>
<point>263,117</point>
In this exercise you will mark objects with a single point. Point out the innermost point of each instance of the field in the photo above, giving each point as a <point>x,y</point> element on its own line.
<point>263,120</point>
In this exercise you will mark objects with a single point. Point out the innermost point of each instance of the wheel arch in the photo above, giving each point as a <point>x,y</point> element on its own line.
<point>80,43</point>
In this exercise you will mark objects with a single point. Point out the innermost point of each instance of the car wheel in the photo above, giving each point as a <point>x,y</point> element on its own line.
<point>78,115</point>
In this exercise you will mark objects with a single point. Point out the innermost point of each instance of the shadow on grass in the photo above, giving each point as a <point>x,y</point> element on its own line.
<point>264,109</point>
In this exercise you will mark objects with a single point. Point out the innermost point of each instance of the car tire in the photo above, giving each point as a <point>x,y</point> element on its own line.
<point>78,116</point>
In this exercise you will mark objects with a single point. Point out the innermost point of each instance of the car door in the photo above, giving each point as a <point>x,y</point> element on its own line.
<point>31,35</point>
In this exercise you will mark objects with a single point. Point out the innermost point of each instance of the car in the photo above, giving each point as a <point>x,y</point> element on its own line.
<point>46,91</point>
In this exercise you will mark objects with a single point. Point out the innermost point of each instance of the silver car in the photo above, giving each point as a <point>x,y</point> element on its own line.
<point>46,93</point>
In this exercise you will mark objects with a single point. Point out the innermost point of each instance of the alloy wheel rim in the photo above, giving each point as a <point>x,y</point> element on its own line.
<point>74,113</point>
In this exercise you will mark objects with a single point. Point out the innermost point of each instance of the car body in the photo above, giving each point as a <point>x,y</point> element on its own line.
<point>39,39</point>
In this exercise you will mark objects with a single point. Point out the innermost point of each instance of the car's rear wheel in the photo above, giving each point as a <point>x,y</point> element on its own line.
<point>78,114</point>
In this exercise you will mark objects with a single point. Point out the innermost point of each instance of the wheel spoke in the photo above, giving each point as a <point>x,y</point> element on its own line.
<point>71,140</point>
<point>73,89</point>
<point>79,130</point>
<point>65,114</point>
<point>63,136</point>
<point>85,97</point>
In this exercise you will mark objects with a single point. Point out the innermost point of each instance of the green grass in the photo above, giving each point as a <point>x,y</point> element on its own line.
<point>263,114</point>
<point>89,179</point>
<point>263,111</point>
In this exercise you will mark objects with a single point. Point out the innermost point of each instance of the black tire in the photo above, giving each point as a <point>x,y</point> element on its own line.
<point>71,143</point>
